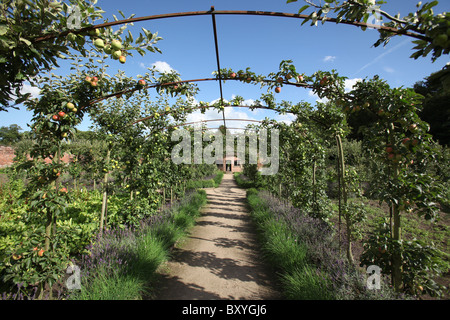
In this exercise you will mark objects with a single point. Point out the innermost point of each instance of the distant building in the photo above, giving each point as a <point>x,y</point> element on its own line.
<point>229,164</point>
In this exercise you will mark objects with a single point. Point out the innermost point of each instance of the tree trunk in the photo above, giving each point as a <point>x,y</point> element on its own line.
<point>48,230</point>
<point>314,187</point>
<point>279,193</point>
<point>338,170</point>
<point>396,255</point>
<point>105,195</point>
<point>344,198</point>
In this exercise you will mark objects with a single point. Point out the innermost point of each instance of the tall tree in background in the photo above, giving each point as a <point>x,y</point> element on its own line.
<point>10,135</point>
<point>436,106</point>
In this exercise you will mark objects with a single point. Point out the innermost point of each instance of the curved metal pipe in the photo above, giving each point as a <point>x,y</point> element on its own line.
<point>228,12</point>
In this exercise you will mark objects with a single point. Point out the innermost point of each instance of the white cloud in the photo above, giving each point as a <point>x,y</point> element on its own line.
<point>286,118</point>
<point>27,88</point>
<point>329,58</point>
<point>389,69</point>
<point>349,83</point>
<point>214,114</point>
<point>162,67</point>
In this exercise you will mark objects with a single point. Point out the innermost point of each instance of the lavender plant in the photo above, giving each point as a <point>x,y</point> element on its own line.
<point>121,261</point>
<point>313,267</point>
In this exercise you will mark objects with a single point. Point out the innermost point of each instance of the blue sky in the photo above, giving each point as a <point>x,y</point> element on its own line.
<point>260,43</point>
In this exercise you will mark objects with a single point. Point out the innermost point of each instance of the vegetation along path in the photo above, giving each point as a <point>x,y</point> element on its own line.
<point>220,257</point>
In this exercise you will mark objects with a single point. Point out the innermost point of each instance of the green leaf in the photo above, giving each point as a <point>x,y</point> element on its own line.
<point>27,42</point>
<point>303,8</point>
<point>289,1</point>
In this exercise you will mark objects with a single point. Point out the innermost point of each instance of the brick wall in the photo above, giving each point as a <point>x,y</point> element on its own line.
<point>7,155</point>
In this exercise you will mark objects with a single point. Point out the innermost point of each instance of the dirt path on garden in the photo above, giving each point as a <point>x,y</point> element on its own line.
<point>220,259</point>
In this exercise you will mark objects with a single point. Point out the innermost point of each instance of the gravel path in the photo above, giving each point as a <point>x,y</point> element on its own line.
<point>220,257</point>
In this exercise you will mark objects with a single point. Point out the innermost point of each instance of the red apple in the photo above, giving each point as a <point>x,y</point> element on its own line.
<point>141,82</point>
<point>391,156</point>
<point>62,114</point>
<point>233,75</point>
<point>88,79</point>
<point>122,59</point>
<point>323,81</point>
<point>55,117</point>
<point>277,89</point>
<point>94,79</point>
<point>405,141</point>
<point>280,80</point>
<point>94,83</point>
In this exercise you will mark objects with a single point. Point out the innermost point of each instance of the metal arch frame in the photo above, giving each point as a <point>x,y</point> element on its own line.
<point>228,12</point>
<point>214,120</point>
<point>213,13</point>
<point>305,85</point>
<point>206,107</point>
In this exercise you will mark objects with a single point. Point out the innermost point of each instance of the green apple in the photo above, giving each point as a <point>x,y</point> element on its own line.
<point>99,43</point>
<point>116,45</point>
<point>72,37</point>
<point>95,32</point>
<point>117,54</point>
<point>107,49</point>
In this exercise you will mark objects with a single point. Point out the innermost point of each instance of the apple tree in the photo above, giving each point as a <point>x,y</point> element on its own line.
<point>399,139</point>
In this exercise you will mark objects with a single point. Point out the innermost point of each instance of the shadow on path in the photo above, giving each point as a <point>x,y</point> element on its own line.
<point>220,259</point>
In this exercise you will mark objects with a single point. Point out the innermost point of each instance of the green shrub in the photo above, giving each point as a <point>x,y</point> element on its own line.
<point>244,182</point>
<point>306,283</point>
<point>218,178</point>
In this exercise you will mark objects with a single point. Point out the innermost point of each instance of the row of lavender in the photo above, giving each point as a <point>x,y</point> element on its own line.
<point>305,253</point>
<point>122,261</point>
<point>129,257</point>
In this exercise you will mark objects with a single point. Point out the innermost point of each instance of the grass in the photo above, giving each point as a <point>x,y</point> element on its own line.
<point>303,251</point>
<point>306,283</point>
<point>122,263</point>
<point>206,183</point>
<point>299,279</point>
